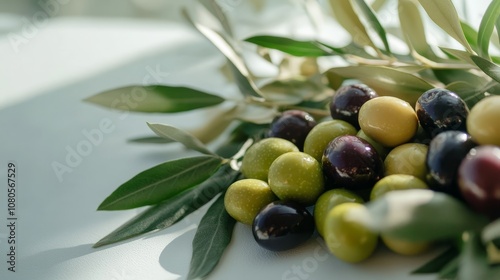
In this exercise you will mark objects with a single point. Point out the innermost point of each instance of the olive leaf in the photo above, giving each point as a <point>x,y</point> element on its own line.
<point>486,26</point>
<point>211,239</point>
<point>155,99</point>
<point>161,182</point>
<point>179,135</point>
<point>462,55</point>
<point>488,67</point>
<point>413,28</point>
<point>474,262</point>
<point>471,35</point>
<point>291,46</point>
<point>151,140</point>
<point>444,14</point>
<point>173,210</point>
<point>216,10</point>
<point>410,214</point>
<point>387,81</point>
<point>439,262</point>
<point>373,22</point>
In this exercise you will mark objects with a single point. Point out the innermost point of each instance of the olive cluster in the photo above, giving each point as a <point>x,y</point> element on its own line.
<point>371,145</point>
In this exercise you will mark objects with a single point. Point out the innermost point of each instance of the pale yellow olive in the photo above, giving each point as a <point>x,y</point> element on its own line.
<point>396,182</point>
<point>246,197</point>
<point>388,120</point>
<point>483,122</point>
<point>259,156</point>
<point>319,137</point>
<point>346,238</point>
<point>403,247</point>
<point>327,201</point>
<point>408,159</point>
<point>296,176</point>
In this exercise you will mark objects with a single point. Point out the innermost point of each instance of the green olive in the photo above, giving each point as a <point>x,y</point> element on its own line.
<point>408,159</point>
<point>245,198</point>
<point>396,182</point>
<point>259,156</point>
<point>482,122</point>
<point>388,120</point>
<point>381,150</point>
<point>403,247</point>
<point>327,201</point>
<point>319,137</point>
<point>296,176</point>
<point>347,239</point>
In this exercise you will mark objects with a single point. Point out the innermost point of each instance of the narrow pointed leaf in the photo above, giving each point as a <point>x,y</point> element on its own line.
<point>161,182</point>
<point>347,17</point>
<point>218,12</point>
<point>291,46</point>
<point>485,31</point>
<point>470,34</point>
<point>412,27</point>
<point>155,99</point>
<point>444,14</point>
<point>488,67</point>
<point>211,239</point>
<point>151,140</point>
<point>474,261</point>
<point>437,263</point>
<point>179,135</point>
<point>173,210</point>
<point>238,67</point>
<point>462,55</point>
<point>387,81</point>
<point>409,214</point>
<point>373,22</point>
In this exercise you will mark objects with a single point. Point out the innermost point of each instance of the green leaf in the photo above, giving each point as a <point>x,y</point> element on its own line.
<point>237,65</point>
<point>161,182</point>
<point>155,99</point>
<point>179,135</point>
<point>488,67</point>
<point>474,261</point>
<point>173,210</point>
<point>151,140</point>
<point>409,214</point>
<point>462,55</point>
<point>450,270</point>
<point>444,14</point>
<point>412,27</point>
<point>470,34</point>
<point>387,81</point>
<point>345,15</point>
<point>373,22</point>
<point>211,239</point>
<point>439,262</point>
<point>485,31</point>
<point>291,46</point>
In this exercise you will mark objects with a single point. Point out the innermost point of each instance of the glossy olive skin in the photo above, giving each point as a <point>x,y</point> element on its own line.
<point>478,180</point>
<point>446,151</point>
<point>347,100</point>
<point>440,110</point>
<point>292,125</point>
<point>352,163</point>
<point>282,225</point>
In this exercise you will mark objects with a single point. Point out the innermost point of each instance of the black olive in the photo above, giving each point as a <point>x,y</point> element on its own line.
<point>292,125</point>
<point>347,101</point>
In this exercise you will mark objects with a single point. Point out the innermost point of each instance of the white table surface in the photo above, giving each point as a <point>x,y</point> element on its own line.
<point>57,219</point>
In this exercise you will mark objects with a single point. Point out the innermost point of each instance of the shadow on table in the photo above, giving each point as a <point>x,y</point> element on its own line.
<point>53,257</point>
<point>176,256</point>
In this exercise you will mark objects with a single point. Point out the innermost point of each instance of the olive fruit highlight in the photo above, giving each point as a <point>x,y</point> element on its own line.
<point>259,156</point>
<point>388,120</point>
<point>479,180</point>
<point>347,101</point>
<point>282,225</point>
<point>296,176</point>
<point>440,110</point>
<point>245,198</point>
<point>292,125</point>
<point>352,163</point>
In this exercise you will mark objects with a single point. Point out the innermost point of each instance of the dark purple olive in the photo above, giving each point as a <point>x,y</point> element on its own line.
<point>282,225</point>
<point>440,110</point>
<point>347,100</point>
<point>292,125</point>
<point>445,153</point>
<point>479,180</point>
<point>352,163</point>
